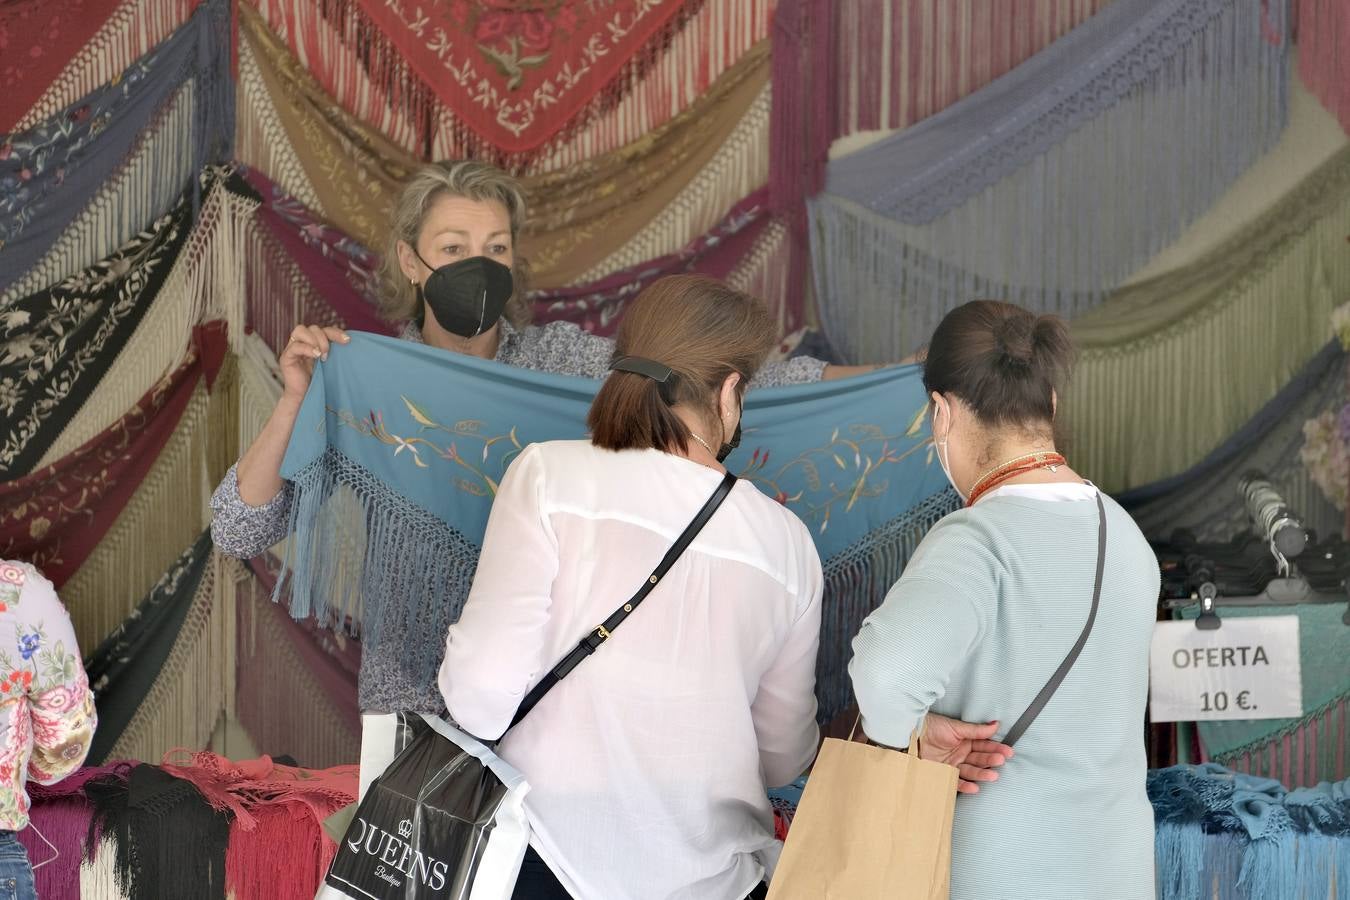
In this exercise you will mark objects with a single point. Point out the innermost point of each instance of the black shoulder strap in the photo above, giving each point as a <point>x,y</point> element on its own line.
<point>1052,685</point>
<point>602,631</point>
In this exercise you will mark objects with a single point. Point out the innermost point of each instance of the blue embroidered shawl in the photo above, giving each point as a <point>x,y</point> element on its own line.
<point>420,438</point>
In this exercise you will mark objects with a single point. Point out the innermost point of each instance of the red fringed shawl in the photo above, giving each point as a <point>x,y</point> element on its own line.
<point>37,39</point>
<point>277,822</point>
<point>516,72</point>
<point>56,516</point>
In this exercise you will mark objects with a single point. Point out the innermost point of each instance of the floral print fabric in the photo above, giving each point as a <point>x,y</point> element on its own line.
<point>47,715</point>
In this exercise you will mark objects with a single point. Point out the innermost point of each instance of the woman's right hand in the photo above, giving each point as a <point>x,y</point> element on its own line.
<point>307,343</point>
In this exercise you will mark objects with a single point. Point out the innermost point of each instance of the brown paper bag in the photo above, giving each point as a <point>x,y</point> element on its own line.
<point>873,823</point>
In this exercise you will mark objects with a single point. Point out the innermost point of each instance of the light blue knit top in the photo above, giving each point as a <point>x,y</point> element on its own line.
<point>986,611</point>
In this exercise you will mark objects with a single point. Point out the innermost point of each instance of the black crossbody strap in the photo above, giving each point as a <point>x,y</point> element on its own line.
<point>602,632</point>
<point>1052,685</point>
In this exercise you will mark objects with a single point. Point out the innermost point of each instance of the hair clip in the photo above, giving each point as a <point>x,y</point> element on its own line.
<point>662,374</point>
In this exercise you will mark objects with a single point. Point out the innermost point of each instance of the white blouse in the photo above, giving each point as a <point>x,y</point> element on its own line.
<point>647,764</point>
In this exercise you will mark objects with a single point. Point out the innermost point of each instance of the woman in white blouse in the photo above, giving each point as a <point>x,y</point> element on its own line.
<point>648,764</point>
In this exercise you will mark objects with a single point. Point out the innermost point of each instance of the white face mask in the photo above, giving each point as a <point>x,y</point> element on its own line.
<point>942,452</point>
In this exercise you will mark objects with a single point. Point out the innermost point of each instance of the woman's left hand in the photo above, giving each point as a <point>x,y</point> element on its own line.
<point>967,747</point>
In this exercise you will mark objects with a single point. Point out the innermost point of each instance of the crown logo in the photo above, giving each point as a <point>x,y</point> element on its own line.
<point>405,828</point>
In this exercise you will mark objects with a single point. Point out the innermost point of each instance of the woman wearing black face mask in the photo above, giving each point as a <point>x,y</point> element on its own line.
<point>450,271</point>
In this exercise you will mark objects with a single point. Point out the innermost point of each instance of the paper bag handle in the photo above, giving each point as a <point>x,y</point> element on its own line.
<point>914,736</point>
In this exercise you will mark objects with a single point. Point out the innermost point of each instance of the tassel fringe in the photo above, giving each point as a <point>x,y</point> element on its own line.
<point>1308,752</point>
<point>195,689</point>
<point>358,65</point>
<point>856,581</point>
<point>260,139</point>
<point>906,233</point>
<point>131,32</point>
<point>149,534</point>
<point>145,188</point>
<point>739,167</point>
<point>206,281</point>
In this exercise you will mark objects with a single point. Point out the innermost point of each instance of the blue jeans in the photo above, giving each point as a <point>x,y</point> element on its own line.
<point>16,875</point>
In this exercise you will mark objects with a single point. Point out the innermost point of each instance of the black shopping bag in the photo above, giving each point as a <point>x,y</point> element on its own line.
<point>446,819</point>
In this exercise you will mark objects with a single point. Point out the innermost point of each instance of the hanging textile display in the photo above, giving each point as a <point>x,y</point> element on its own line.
<point>1323,34</point>
<point>168,841</point>
<point>513,77</point>
<point>123,669</point>
<point>1312,747</point>
<point>280,657</point>
<point>1249,837</point>
<point>83,46</point>
<point>740,250</point>
<point>61,341</point>
<point>1224,307</point>
<point>202,282</point>
<point>155,175</point>
<point>260,138</point>
<point>710,188</point>
<point>894,62</point>
<point>80,352</point>
<point>646,200</point>
<point>276,819</point>
<point>954,207</point>
<point>900,61</point>
<point>64,816</point>
<point>406,109</point>
<point>165,511</point>
<point>288,214</point>
<point>306,272</point>
<point>165,677</point>
<point>52,171</point>
<point>1203,499</point>
<point>53,31</point>
<point>259,386</point>
<point>851,461</point>
<point>279,295</point>
<point>54,517</point>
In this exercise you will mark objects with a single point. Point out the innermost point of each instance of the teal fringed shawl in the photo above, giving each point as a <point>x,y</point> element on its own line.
<point>1229,836</point>
<point>399,449</point>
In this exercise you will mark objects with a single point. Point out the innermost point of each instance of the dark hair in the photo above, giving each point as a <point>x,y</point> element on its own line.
<point>1001,360</point>
<point>703,331</point>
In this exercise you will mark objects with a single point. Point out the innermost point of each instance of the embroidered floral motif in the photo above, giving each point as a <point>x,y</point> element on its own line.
<point>420,449</point>
<point>517,71</point>
<point>841,471</point>
<point>67,336</point>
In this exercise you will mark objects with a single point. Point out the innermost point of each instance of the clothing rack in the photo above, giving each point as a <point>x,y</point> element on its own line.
<point>1279,563</point>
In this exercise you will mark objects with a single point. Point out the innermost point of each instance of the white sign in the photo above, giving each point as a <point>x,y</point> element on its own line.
<point>1248,668</point>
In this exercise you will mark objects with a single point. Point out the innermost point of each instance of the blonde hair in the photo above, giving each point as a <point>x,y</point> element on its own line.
<point>471,180</point>
<point>703,331</point>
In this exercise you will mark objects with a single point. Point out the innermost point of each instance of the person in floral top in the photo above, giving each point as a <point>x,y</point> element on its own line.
<point>47,716</point>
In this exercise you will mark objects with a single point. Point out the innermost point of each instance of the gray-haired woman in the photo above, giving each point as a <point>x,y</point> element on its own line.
<point>450,271</point>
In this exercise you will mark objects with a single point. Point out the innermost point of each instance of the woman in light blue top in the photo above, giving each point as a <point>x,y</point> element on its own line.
<point>991,605</point>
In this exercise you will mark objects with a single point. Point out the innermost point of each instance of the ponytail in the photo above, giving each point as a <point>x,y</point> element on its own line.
<point>629,411</point>
<point>699,329</point>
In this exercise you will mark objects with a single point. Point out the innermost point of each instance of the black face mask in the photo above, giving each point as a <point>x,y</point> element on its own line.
<point>468,297</point>
<point>725,450</point>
